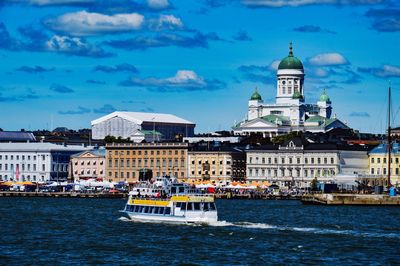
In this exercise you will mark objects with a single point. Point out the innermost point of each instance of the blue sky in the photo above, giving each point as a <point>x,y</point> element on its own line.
<point>67,62</point>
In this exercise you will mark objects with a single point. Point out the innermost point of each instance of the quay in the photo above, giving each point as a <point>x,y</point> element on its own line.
<point>63,194</point>
<point>351,199</point>
<point>125,195</point>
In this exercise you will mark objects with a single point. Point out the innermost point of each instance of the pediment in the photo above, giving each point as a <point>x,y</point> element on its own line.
<point>258,123</point>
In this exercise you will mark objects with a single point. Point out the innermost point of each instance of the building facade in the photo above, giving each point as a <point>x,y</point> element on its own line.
<point>297,163</point>
<point>132,162</point>
<point>218,165</point>
<point>379,165</point>
<point>290,112</point>
<point>88,164</point>
<point>136,126</point>
<point>35,162</point>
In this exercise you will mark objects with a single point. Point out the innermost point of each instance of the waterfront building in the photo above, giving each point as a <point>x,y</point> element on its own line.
<point>142,126</point>
<point>297,162</point>
<point>378,165</point>
<point>290,112</point>
<point>217,164</point>
<point>88,164</point>
<point>132,162</point>
<point>35,161</point>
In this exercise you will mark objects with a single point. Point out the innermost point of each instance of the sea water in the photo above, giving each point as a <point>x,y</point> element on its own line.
<point>95,231</point>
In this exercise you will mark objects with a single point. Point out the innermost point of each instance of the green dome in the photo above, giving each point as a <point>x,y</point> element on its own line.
<point>297,95</point>
<point>324,97</point>
<point>291,62</point>
<point>256,96</point>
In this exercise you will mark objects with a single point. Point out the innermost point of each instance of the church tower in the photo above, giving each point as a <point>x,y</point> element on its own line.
<point>255,106</point>
<point>325,105</point>
<point>290,80</point>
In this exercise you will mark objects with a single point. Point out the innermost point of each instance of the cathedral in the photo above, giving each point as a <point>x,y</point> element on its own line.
<point>289,112</point>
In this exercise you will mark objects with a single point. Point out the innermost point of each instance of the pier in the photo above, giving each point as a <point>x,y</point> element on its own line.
<point>62,194</point>
<point>351,199</point>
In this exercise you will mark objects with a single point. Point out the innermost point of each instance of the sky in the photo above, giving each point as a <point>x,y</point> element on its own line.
<point>67,62</point>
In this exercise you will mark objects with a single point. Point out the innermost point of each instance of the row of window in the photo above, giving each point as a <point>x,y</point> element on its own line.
<point>212,172</point>
<point>23,157</point>
<point>94,172</point>
<point>146,152</point>
<point>23,178</point>
<point>384,160</point>
<point>297,172</point>
<point>128,175</point>
<point>291,160</point>
<point>196,206</point>
<point>145,163</point>
<point>89,163</point>
<point>383,171</point>
<point>212,162</point>
<point>149,209</point>
<point>24,167</point>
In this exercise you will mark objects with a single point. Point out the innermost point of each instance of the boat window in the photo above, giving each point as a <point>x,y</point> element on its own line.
<point>212,206</point>
<point>167,211</point>
<point>181,190</point>
<point>196,206</point>
<point>140,208</point>
<point>205,206</point>
<point>173,190</point>
<point>156,210</point>
<point>183,206</point>
<point>189,206</point>
<point>135,208</point>
<point>145,209</point>
<point>161,210</point>
<point>178,204</point>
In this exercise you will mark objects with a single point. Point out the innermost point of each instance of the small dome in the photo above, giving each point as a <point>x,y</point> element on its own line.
<point>256,96</point>
<point>324,97</point>
<point>291,62</point>
<point>297,95</point>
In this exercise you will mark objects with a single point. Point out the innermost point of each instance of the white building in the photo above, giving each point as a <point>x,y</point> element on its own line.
<point>297,162</point>
<point>289,112</point>
<point>141,126</point>
<point>35,161</point>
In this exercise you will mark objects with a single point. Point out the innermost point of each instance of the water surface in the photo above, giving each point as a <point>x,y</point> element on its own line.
<point>94,231</point>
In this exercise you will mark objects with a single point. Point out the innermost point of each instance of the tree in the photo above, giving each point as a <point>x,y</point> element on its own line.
<point>314,184</point>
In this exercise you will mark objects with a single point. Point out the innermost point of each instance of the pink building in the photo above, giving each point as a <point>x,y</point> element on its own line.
<point>88,164</point>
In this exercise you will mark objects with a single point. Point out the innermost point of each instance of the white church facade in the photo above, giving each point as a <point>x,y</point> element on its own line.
<point>289,112</point>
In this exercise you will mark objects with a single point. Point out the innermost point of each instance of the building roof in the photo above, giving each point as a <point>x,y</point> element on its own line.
<point>291,62</point>
<point>383,149</point>
<point>256,96</point>
<point>100,152</point>
<point>139,118</point>
<point>276,119</point>
<point>39,146</point>
<point>324,97</point>
<point>16,136</point>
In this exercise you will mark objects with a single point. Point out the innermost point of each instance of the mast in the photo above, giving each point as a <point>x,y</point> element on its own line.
<point>388,137</point>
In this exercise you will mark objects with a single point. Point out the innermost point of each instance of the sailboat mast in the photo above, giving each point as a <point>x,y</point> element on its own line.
<point>388,138</point>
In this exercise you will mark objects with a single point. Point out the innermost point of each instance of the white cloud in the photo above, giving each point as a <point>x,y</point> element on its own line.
<point>158,4</point>
<point>51,2</point>
<point>73,46</point>
<point>389,71</point>
<point>294,3</point>
<point>182,80</point>
<point>165,22</point>
<point>83,23</point>
<point>328,59</point>
<point>274,65</point>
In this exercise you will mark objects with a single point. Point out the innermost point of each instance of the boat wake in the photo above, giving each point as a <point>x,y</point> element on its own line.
<point>310,230</point>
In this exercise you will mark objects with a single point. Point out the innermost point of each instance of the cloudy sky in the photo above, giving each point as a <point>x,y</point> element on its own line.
<point>67,62</point>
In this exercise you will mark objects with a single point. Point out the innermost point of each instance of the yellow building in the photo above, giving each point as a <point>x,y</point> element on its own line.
<point>378,165</point>
<point>132,162</point>
<point>221,165</point>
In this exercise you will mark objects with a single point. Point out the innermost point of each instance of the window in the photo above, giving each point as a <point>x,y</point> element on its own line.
<point>167,211</point>
<point>325,160</point>
<point>384,160</point>
<point>372,171</point>
<point>43,167</point>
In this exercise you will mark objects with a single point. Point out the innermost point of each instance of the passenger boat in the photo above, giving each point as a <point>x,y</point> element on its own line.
<point>174,203</point>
